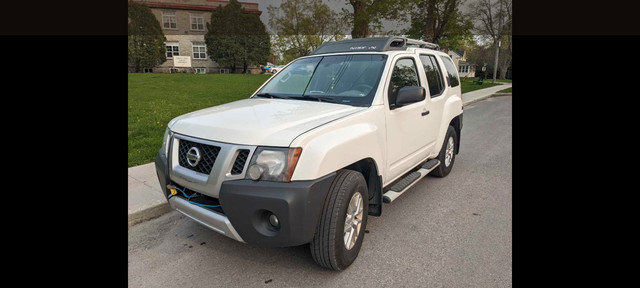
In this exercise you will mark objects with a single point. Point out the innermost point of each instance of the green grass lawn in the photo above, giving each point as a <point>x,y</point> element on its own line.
<point>155,99</point>
<point>508,90</point>
<point>469,84</point>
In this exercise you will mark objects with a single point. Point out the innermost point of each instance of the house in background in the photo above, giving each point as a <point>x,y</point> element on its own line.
<point>184,25</point>
<point>459,58</point>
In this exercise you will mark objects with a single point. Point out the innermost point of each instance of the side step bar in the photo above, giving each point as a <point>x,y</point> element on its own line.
<point>409,180</point>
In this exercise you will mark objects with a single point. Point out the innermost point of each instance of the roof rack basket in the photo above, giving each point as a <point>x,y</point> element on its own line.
<point>376,44</point>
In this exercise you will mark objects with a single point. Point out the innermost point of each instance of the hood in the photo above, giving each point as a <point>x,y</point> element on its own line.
<point>259,121</point>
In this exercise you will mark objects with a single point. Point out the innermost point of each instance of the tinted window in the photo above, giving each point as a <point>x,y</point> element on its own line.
<point>434,76</point>
<point>404,74</point>
<point>451,71</point>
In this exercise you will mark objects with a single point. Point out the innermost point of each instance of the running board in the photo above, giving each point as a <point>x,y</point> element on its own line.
<point>409,180</point>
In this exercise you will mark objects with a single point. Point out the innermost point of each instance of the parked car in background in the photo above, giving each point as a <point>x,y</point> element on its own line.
<point>273,69</point>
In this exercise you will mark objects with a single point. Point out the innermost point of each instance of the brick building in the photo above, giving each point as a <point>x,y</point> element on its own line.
<point>184,25</point>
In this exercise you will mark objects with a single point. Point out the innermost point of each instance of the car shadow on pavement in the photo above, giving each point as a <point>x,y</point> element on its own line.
<point>214,246</point>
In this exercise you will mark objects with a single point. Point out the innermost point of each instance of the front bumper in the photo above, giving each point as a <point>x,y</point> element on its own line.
<point>247,204</point>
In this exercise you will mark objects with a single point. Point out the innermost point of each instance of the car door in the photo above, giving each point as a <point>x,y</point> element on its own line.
<point>407,137</point>
<point>437,91</point>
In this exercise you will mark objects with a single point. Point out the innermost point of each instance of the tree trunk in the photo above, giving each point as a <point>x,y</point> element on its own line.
<point>503,70</point>
<point>430,22</point>
<point>360,19</point>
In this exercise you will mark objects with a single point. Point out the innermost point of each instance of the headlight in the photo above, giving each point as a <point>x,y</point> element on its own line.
<point>273,164</point>
<point>165,141</point>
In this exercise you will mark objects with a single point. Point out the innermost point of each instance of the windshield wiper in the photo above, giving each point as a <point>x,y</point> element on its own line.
<point>319,99</point>
<point>267,95</point>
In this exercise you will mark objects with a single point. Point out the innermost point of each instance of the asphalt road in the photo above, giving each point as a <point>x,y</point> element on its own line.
<point>443,232</point>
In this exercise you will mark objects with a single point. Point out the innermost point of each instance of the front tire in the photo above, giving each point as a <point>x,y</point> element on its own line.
<point>340,231</point>
<point>447,154</point>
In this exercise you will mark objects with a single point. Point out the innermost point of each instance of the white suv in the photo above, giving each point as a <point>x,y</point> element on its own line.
<point>318,147</point>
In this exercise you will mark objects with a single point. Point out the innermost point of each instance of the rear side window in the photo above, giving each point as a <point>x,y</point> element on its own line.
<point>404,74</point>
<point>434,75</point>
<point>451,71</point>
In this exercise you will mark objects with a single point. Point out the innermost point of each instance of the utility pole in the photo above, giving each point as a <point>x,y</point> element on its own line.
<point>495,65</point>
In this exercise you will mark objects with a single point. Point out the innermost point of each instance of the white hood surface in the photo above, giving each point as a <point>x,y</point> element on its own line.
<point>259,121</point>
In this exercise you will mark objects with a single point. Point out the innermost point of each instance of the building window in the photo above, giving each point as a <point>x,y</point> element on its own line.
<point>173,70</point>
<point>169,20</point>
<point>172,50</point>
<point>199,51</point>
<point>224,71</point>
<point>147,70</point>
<point>197,22</point>
<point>464,68</point>
<point>201,70</point>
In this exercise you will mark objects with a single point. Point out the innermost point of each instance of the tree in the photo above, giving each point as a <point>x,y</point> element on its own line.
<point>257,42</point>
<point>478,54</point>
<point>235,38</point>
<point>301,26</point>
<point>146,46</point>
<point>504,62</point>
<point>367,15</point>
<point>440,22</point>
<point>494,18</point>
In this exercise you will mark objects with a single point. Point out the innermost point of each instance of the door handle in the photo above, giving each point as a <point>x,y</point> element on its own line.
<point>425,113</point>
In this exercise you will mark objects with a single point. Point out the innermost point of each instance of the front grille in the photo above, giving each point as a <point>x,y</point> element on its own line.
<point>241,160</point>
<point>199,198</point>
<point>208,155</point>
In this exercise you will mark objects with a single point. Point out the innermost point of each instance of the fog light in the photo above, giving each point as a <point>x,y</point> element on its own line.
<point>273,220</point>
<point>255,172</point>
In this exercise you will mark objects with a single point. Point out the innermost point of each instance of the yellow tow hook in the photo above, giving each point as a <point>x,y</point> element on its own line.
<point>173,190</point>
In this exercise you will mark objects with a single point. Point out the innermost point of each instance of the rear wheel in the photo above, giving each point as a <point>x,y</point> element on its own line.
<point>340,231</point>
<point>447,154</point>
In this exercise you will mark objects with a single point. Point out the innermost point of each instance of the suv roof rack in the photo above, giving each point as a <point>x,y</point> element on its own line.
<point>375,44</point>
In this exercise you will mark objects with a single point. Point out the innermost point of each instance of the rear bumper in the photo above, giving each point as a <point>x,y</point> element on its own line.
<point>247,205</point>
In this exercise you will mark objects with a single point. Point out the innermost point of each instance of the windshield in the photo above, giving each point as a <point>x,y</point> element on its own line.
<point>342,79</point>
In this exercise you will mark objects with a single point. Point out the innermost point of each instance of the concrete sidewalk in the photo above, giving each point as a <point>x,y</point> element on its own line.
<point>146,200</point>
<point>478,95</point>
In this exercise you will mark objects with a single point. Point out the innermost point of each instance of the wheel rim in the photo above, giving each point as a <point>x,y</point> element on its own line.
<point>448,156</point>
<point>353,221</point>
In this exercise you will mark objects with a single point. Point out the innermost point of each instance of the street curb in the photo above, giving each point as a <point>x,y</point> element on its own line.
<point>149,213</point>
<point>485,97</point>
<point>476,100</point>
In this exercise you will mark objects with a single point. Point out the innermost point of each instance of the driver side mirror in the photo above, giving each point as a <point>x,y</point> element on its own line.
<point>410,94</point>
